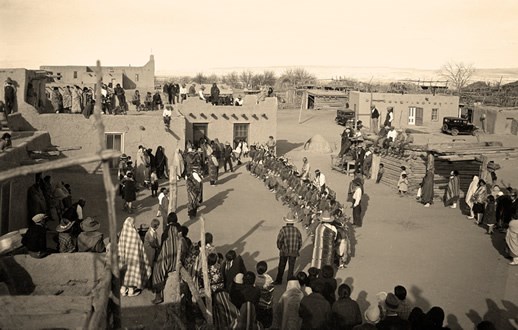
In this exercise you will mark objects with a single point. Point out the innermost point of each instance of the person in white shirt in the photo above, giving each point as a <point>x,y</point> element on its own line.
<point>167,115</point>
<point>79,209</point>
<point>200,93</point>
<point>183,92</point>
<point>163,205</point>
<point>238,101</point>
<point>392,133</point>
<point>357,205</point>
<point>320,180</point>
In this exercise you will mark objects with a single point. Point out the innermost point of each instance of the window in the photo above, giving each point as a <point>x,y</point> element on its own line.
<point>241,132</point>
<point>411,115</point>
<point>114,141</point>
<point>435,114</point>
<point>75,74</point>
<point>136,76</point>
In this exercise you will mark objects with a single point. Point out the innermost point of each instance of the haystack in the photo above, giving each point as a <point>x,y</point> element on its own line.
<point>317,144</point>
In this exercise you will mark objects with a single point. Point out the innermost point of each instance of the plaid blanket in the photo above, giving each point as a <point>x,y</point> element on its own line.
<point>166,261</point>
<point>132,256</point>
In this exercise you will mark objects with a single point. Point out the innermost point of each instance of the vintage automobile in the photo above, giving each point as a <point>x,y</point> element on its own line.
<point>344,115</point>
<point>455,126</point>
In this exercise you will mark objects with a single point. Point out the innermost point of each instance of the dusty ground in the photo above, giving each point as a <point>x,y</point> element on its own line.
<point>437,254</point>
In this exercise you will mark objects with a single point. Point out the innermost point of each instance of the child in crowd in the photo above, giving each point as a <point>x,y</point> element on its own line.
<point>313,274</point>
<point>265,283</point>
<point>490,214</point>
<point>402,184</point>
<point>152,242</point>
<point>154,184</point>
<point>67,241</point>
<point>380,173</point>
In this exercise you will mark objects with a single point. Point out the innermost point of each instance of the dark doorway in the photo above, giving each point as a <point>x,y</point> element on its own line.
<point>199,131</point>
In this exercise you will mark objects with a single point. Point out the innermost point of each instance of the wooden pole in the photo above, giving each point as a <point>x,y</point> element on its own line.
<point>207,315</point>
<point>304,97</point>
<point>110,200</point>
<point>173,185</point>
<point>205,270</point>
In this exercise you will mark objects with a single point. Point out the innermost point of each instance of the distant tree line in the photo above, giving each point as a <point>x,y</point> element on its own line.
<point>250,80</point>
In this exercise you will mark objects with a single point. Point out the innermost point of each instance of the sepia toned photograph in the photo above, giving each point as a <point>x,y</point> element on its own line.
<point>283,165</point>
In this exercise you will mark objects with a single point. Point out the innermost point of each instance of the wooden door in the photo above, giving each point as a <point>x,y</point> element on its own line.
<point>508,125</point>
<point>419,116</point>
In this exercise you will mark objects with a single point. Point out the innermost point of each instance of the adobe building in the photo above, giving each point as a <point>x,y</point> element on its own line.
<point>410,110</point>
<point>129,77</point>
<point>499,120</point>
<point>253,122</point>
<point>75,135</point>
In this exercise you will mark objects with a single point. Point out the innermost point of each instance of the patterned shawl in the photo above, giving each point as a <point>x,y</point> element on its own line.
<point>132,256</point>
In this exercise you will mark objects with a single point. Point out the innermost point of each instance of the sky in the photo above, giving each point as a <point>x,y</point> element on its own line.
<point>203,35</point>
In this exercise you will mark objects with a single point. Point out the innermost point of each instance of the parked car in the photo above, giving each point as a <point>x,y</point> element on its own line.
<point>455,126</point>
<point>344,115</point>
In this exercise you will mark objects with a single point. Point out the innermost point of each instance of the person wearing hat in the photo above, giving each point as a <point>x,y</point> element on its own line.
<point>320,181</point>
<point>356,200</point>
<point>67,243</point>
<point>289,242</point>
<point>9,95</point>
<point>372,315</point>
<point>324,244</point>
<point>391,319</point>
<point>227,157</point>
<point>90,240</point>
<point>35,239</point>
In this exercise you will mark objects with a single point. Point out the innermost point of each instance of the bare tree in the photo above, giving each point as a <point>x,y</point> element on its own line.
<point>458,74</point>
<point>200,78</point>
<point>269,78</point>
<point>297,76</point>
<point>246,78</point>
<point>232,80</point>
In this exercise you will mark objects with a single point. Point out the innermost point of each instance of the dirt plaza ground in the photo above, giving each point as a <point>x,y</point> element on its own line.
<point>442,258</point>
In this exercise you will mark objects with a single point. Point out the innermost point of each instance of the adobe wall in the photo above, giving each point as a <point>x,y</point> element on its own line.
<point>448,107</point>
<point>262,118</point>
<point>495,118</point>
<point>124,75</point>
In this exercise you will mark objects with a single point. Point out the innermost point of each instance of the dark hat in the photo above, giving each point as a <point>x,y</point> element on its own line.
<point>64,225</point>
<point>357,181</point>
<point>90,224</point>
<point>124,156</point>
<point>9,80</point>
<point>391,302</point>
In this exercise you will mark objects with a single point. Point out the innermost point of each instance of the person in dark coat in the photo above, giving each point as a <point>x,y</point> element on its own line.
<point>392,319</point>
<point>9,95</point>
<point>232,266</point>
<point>214,94</point>
<point>427,191</point>
<point>160,162</point>
<point>129,192</point>
<point>152,160</point>
<point>503,209</point>
<point>346,312</point>
<point>227,155</point>
<point>35,239</point>
<point>314,309</point>
<point>157,101</point>
<point>249,292</point>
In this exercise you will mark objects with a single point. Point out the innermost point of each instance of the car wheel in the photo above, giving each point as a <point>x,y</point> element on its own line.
<point>474,132</point>
<point>454,132</point>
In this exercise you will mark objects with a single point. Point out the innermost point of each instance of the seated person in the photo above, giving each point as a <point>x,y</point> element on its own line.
<point>35,239</point>
<point>200,94</point>
<point>149,101</point>
<point>238,101</point>
<point>90,240</point>
<point>157,101</point>
<point>5,142</point>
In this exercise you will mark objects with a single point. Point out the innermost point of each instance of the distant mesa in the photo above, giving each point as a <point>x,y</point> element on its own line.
<point>317,144</point>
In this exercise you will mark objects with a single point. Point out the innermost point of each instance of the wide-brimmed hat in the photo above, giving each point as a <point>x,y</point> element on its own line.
<point>64,225</point>
<point>39,217</point>
<point>391,302</point>
<point>289,218</point>
<point>90,224</point>
<point>124,156</point>
<point>373,314</point>
<point>326,216</point>
<point>238,279</point>
<point>227,143</point>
